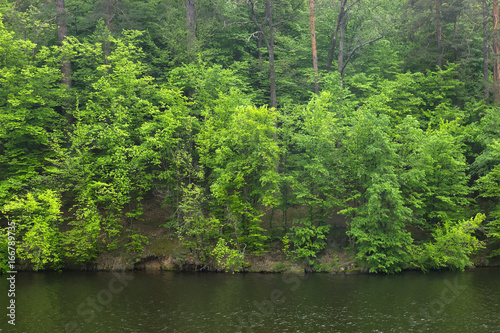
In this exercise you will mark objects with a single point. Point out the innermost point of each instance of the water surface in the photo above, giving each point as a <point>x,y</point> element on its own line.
<point>210,302</point>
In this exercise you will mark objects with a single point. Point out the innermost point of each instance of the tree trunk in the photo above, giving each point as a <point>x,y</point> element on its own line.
<point>191,27</point>
<point>340,58</point>
<point>313,45</point>
<point>270,49</point>
<point>268,41</point>
<point>486,72</point>
<point>259,51</point>
<point>439,36</point>
<point>109,14</point>
<point>62,32</point>
<point>496,63</point>
<point>109,17</point>
<point>333,43</point>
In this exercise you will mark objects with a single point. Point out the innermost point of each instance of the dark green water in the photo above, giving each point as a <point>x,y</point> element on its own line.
<point>189,302</point>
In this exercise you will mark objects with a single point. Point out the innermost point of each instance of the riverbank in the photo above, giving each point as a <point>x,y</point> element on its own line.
<point>164,253</point>
<point>330,262</point>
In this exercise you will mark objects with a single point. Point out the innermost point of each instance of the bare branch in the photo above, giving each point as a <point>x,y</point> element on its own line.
<point>15,4</point>
<point>251,6</point>
<point>357,48</point>
<point>253,35</point>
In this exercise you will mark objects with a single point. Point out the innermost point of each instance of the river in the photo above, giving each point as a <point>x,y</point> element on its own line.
<point>210,302</point>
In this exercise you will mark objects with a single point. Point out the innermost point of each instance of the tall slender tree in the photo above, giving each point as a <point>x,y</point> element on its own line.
<point>340,58</point>
<point>110,13</point>
<point>439,35</point>
<point>313,45</point>
<point>486,72</point>
<point>496,63</point>
<point>333,43</point>
<point>268,40</point>
<point>191,27</point>
<point>62,32</point>
<point>272,73</point>
<point>347,47</point>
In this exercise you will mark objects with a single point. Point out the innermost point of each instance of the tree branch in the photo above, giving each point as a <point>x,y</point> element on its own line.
<point>352,5</point>
<point>357,48</point>
<point>251,6</point>
<point>333,43</point>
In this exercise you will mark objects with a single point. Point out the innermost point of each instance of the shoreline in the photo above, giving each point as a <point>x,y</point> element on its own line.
<point>261,265</point>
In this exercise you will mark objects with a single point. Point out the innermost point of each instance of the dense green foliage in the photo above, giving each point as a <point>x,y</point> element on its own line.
<point>451,247</point>
<point>403,153</point>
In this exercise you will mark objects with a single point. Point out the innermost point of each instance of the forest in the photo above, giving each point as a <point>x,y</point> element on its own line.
<point>255,125</point>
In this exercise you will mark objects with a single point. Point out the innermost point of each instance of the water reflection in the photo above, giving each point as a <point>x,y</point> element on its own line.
<point>189,302</point>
